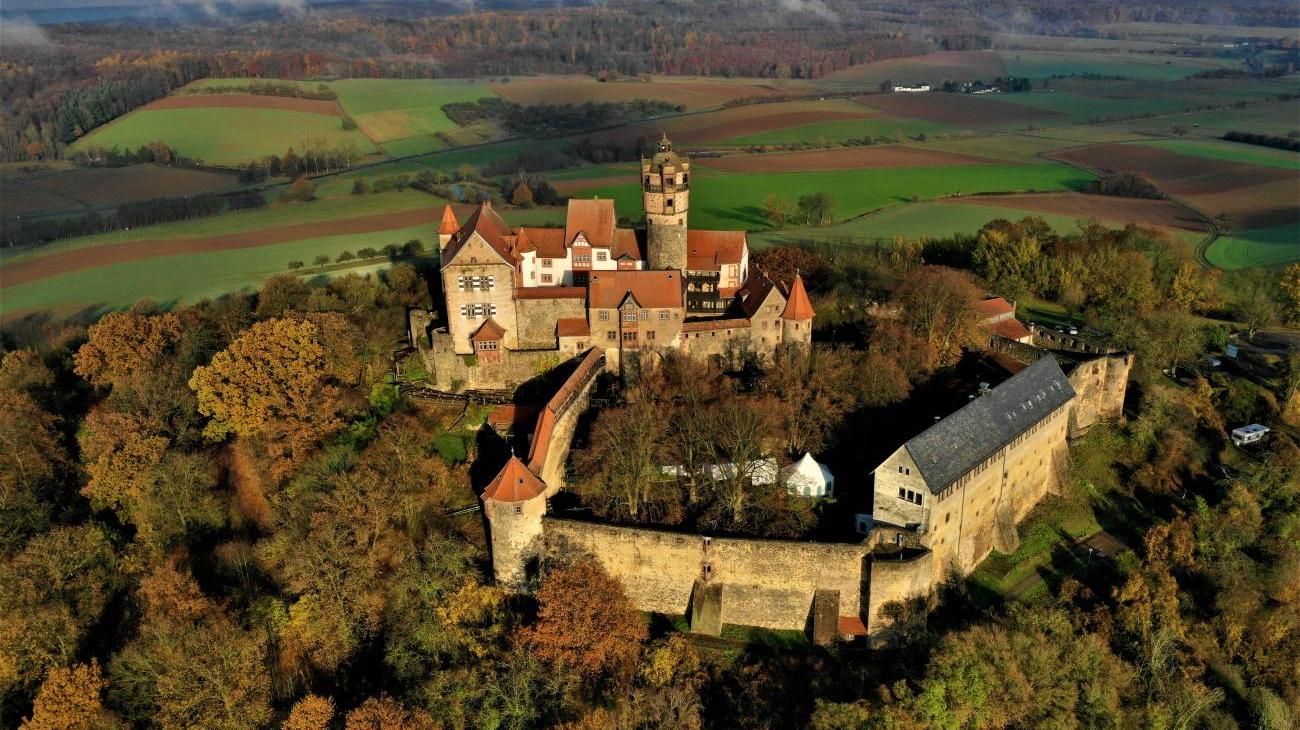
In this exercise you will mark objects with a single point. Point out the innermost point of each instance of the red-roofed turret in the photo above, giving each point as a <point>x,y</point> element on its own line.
<point>796,320</point>
<point>515,502</point>
<point>448,226</point>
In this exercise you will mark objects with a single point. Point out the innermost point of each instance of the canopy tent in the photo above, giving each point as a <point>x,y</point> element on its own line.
<point>807,478</point>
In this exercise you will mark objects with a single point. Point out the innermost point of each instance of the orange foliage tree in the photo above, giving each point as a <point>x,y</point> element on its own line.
<point>587,624</point>
<point>126,345</point>
<point>274,382</point>
<point>386,714</point>
<point>69,699</point>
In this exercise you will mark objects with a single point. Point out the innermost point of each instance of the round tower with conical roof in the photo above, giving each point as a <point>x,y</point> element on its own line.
<point>665,193</point>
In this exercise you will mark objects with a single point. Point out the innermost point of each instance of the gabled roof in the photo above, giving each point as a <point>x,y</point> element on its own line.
<point>449,223</point>
<point>547,242</point>
<point>1011,329</point>
<point>797,305</point>
<point>709,250</point>
<point>488,331</point>
<point>487,224</point>
<point>572,327</point>
<point>755,293</point>
<point>652,289</point>
<point>593,218</point>
<point>992,307</point>
<point>958,443</point>
<point>514,483</point>
<point>629,243</point>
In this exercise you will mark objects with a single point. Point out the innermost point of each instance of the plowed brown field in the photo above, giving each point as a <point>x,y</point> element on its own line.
<point>1252,196</point>
<point>247,101</point>
<point>40,267</point>
<point>850,158</point>
<point>962,110</point>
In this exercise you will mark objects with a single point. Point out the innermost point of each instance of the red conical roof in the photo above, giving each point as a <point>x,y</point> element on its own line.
<point>514,483</point>
<point>449,223</point>
<point>797,305</point>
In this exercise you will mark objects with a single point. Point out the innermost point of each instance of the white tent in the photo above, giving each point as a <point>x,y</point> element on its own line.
<point>807,478</point>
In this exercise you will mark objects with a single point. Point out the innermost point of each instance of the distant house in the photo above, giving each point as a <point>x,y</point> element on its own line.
<point>1249,434</point>
<point>997,317</point>
<point>911,88</point>
<point>807,478</point>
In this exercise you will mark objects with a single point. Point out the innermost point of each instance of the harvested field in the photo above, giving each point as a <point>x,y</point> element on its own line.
<point>1149,213</point>
<point>701,94</point>
<point>934,67</point>
<point>1252,196</point>
<point>40,267</point>
<point>247,101</point>
<point>726,124</point>
<point>754,125</point>
<point>82,188</point>
<point>962,110</point>
<point>851,158</point>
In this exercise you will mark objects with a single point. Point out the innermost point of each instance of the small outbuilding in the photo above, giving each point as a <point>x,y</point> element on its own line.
<point>808,478</point>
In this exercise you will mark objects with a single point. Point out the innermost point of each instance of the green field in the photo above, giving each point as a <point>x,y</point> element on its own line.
<point>1233,152</point>
<point>223,136</point>
<point>735,201</point>
<point>841,130</point>
<point>1260,247</point>
<point>1042,64</point>
<point>397,109</point>
<point>1077,108</point>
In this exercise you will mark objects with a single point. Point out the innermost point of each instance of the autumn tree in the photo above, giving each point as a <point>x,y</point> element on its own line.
<point>125,347</point>
<point>936,303</point>
<point>312,712</point>
<point>585,623</point>
<point>23,371</point>
<point>1289,293</point>
<point>780,263</point>
<point>777,210</point>
<point>190,665</point>
<point>55,590</point>
<point>620,465</point>
<point>522,196</point>
<point>273,382</point>
<point>70,699</point>
<point>815,389</point>
<point>383,713</point>
<point>31,457</point>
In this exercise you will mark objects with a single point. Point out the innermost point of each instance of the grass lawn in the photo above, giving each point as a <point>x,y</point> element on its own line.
<point>1232,152</point>
<point>1260,247</point>
<point>1054,522</point>
<point>735,202</point>
<point>393,109</point>
<point>223,136</point>
<point>187,278</point>
<point>839,130</point>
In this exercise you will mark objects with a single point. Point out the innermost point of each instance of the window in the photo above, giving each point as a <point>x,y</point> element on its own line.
<point>604,316</point>
<point>611,335</point>
<point>670,202</point>
<point>650,335</point>
<point>582,258</point>
<point>602,256</point>
<point>947,517</point>
<point>478,310</point>
<point>475,283</point>
<point>487,345</point>
<point>645,314</point>
<point>663,316</point>
<point>902,493</point>
<point>546,263</point>
<point>629,316</point>
<point>629,336</point>
<point>547,278</point>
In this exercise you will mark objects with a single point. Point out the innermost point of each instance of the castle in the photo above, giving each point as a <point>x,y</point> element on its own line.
<point>519,300</point>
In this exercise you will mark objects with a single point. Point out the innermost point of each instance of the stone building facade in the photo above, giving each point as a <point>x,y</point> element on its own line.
<point>515,298</point>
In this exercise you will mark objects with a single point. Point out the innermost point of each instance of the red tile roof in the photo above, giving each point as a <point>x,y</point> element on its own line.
<point>546,419</point>
<point>755,292</point>
<point>547,242</point>
<point>1011,329</point>
<point>709,250</point>
<point>550,292</point>
<point>489,330</point>
<point>852,626</point>
<point>449,223</point>
<point>514,483</point>
<point>593,218</point>
<point>572,327</point>
<point>651,289</point>
<point>486,223</point>
<point>628,242</point>
<point>797,305</point>
<point>992,307</point>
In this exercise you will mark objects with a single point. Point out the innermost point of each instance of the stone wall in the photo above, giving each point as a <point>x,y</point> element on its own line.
<point>535,319</point>
<point>767,583</point>
<point>1099,384</point>
<point>451,371</point>
<point>897,578</point>
<point>558,420</point>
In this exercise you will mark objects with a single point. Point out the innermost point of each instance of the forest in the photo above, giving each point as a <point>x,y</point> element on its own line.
<point>225,515</point>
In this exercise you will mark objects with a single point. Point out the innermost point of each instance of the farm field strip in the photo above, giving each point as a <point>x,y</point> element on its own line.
<point>246,101</point>
<point>955,65</point>
<point>1232,152</point>
<point>733,201</point>
<point>1261,247</point>
<point>692,93</point>
<point>91,187</point>
<point>849,158</point>
<point>959,110</point>
<point>895,128</point>
<point>1042,64</point>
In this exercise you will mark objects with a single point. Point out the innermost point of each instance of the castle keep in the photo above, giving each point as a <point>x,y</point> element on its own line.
<point>518,300</point>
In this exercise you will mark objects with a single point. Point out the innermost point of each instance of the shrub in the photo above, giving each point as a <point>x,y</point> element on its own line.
<point>294,265</point>
<point>345,256</point>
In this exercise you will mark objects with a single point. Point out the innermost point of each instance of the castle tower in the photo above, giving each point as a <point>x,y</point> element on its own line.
<point>796,320</point>
<point>447,227</point>
<point>515,502</point>
<point>665,193</point>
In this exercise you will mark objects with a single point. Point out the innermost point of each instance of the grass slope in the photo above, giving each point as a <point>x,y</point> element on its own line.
<point>1260,247</point>
<point>735,202</point>
<point>394,109</point>
<point>223,136</point>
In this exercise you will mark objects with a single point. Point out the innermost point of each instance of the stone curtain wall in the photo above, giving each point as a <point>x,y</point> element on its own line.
<point>1099,385</point>
<point>766,583</point>
<point>897,579</point>
<point>535,319</point>
<point>557,421</point>
<point>451,371</point>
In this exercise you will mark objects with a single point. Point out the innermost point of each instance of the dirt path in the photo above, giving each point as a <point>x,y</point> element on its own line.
<point>40,267</point>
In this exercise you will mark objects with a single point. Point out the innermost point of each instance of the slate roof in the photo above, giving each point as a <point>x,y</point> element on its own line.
<point>958,443</point>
